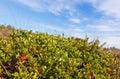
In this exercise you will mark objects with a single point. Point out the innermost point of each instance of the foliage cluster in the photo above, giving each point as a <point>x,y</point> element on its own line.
<point>26,55</point>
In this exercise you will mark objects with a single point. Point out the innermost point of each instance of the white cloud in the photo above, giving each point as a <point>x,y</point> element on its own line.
<point>105,28</point>
<point>77,30</point>
<point>31,3</point>
<point>111,7</point>
<point>111,41</point>
<point>105,24</point>
<point>108,7</point>
<point>56,7</point>
<point>75,20</point>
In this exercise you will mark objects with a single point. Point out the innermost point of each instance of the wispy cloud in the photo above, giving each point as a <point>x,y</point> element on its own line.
<point>108,7</point>
<point>56,7</point>
<point>75,20</point>
<point>105,28</point>
<point>30,3</point>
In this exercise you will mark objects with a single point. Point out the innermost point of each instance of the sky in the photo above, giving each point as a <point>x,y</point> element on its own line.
<point>96,19</point>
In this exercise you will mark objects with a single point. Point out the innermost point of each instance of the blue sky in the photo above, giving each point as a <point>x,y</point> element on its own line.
<point>94,18</point>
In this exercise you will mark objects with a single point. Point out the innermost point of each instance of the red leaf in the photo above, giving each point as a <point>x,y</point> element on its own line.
<point>40,70</point>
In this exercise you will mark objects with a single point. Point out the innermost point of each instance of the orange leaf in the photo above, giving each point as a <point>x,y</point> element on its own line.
<point>23,57</point>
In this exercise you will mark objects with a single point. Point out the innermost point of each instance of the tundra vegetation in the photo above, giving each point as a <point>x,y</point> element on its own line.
<point>29,55</point>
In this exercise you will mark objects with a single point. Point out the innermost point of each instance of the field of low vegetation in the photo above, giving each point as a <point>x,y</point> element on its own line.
<point>29,55</point>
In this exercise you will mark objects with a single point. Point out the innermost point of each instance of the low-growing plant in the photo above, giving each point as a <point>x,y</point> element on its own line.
<point>26,55</point>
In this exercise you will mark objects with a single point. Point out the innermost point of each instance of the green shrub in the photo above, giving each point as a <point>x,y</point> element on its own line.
<point>26,55</point>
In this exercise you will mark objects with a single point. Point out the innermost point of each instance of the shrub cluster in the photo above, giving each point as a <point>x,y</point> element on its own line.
<point>26,55</point>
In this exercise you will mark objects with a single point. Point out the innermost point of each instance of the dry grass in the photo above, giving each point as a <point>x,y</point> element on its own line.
<point>116,65</point>
<point>5,31</point>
